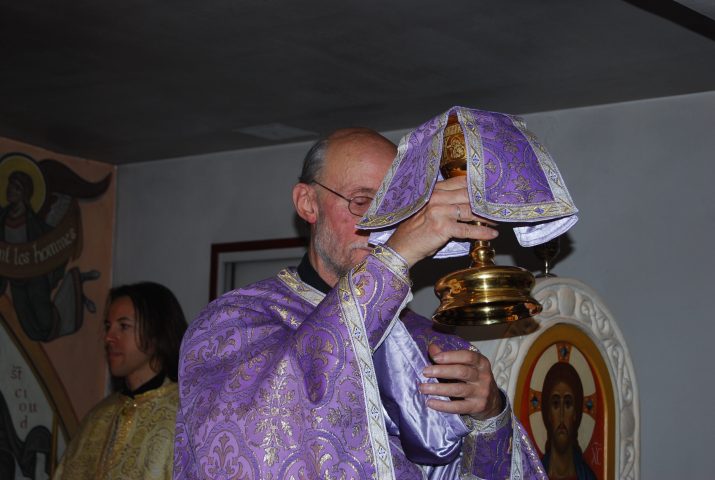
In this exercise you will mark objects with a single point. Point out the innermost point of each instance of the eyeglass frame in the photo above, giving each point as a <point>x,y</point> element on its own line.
<point>349,200</point>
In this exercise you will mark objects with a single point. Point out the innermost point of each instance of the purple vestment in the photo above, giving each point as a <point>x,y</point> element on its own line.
<point>278,381</point>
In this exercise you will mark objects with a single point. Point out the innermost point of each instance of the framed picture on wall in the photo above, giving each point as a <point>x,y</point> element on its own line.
<point>236,264</point>
<point>564,399</point>
<point>573,385</point>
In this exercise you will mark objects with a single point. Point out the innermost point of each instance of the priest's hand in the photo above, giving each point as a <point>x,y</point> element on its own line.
<point>470,384</point>
<point>445,216</point>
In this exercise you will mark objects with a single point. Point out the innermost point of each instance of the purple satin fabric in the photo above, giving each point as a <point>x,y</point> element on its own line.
<point>427,436</point>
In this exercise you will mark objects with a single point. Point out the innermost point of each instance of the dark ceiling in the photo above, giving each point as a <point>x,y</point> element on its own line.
<point>141,80</point>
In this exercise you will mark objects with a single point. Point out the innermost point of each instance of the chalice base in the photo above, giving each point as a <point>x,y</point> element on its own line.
<point>485,296</point>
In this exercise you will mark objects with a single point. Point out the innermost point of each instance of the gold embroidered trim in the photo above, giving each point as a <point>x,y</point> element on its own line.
<point>490,425</point>
<point>377,431</point>
<point>393,261</point>
<point>371,219</point>
<point>289,277</point>
<point>561,206</point>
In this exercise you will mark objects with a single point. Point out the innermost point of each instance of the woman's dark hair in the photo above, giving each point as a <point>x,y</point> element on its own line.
<point>160,322</point>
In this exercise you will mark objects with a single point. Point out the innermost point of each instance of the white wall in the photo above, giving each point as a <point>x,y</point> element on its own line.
<point>641,174</point>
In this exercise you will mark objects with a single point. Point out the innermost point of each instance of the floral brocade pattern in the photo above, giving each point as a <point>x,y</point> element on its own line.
<point>125,438</point>
<point>277,380</point>
<point>511,176</point>
<point>273,386</point>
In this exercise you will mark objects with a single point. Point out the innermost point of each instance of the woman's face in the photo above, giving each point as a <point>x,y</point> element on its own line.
<point>124,356</point>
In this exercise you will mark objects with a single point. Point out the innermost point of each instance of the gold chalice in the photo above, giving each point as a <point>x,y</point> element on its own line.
<point>485,293</point>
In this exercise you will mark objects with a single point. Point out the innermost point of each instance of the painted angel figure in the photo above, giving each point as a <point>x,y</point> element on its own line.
<point>40,233</point>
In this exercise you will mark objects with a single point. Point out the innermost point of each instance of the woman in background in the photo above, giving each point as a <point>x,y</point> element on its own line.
<point>130,434</point>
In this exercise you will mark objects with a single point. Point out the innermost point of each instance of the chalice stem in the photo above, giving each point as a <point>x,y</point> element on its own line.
<point>482,253</point>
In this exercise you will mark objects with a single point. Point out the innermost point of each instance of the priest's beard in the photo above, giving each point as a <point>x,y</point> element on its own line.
<point>336,258</point>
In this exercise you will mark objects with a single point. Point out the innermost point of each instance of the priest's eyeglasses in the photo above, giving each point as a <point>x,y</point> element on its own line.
<point>357,205</point>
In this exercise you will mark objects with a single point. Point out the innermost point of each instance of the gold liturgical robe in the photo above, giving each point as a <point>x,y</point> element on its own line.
<point>124,437</point>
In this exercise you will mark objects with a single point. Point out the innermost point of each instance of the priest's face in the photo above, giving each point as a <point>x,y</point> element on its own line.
<point>354,166</point>
<point>124,356</point>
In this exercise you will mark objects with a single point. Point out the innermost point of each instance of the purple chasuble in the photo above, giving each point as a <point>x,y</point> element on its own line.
<point>279,381</point>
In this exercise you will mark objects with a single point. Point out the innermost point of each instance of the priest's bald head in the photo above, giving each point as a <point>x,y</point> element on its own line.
<point>341,174</point>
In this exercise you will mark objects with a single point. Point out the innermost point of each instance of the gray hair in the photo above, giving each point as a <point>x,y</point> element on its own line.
<point>314,161</point>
